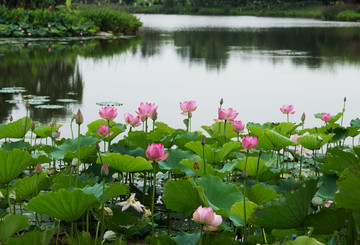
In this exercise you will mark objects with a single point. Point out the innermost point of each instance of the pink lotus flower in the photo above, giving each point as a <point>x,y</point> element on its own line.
<point>228,115</point>
<point>156,152</point>
<point>249,142</point>
<point>326,117</point>
<point>208,218</point>
<point>81,34</point>
<point>238,126</point>
<point>29,34</point>
<point>103,130</point>
<point>108,112</point>
<point>187,107</point>
<point>19,28</point>
<point>328,203</point>
<point>287,109</point>
<point>146,110</point>
<point>132,121</point>
<point>294,137</point>
<point>49,26</point>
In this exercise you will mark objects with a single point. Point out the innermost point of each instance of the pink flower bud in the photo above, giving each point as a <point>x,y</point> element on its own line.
<point>249,142</point>
<point>79,119</point>
<point>303,117</point>
<point>156,152</point>
<point>11,118</point>
<point>27,104</point>
<point>208,218</point>
<point>104,172</point>
<point>38,169</point>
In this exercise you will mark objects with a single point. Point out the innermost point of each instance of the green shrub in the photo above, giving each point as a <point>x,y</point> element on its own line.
<point>348,15</point>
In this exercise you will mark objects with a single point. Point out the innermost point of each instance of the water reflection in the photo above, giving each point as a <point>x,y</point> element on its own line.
<point>50,69</point>
<point>310,47</point>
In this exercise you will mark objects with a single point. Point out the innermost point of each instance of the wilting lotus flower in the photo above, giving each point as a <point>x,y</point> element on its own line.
<point>103,130</point>
<point>146,110</point>
<point>208,218</point>
<point>227,114</point>
<point>238,126</point>
<point>287,109</point>
<point>326,117</point>
<point>131,201</point>
<point>108,112</point>
<point>132,121</point>
<point>156,152</point>
<point>249,142</point>
<point>294,137</point>
<point>188,107</point>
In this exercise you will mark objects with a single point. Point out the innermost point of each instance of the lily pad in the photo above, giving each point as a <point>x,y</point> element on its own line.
<point>109,103</point>
<point>67,100</point>
<point>12,90</point>
<point>50,107</point>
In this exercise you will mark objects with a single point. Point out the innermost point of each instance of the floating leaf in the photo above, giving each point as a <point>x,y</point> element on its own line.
<point>11,224</point>
<point>64,205</point>
<point>109,103</point>
<point>13,90</point>
<point>12,163</point>
<point>16,129</point>
<point>66,100</point>
<point>183,196</point>
<point>125,163</point>
<point>50,107</point>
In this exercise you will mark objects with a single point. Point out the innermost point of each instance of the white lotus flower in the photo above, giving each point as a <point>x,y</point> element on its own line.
<point>131,201</point>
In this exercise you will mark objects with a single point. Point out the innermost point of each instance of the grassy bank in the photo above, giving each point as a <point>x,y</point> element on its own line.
<point>20,22</point>
<point>338,12</point>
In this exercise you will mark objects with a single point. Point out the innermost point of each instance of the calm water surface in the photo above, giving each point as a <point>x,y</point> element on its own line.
<point>255,64</point>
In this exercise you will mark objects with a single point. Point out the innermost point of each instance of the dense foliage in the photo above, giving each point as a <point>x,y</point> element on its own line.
<point>19,22</point>
<point>273,183</point>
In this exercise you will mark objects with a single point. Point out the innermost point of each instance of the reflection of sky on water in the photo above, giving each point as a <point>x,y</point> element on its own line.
<point>167,68</point>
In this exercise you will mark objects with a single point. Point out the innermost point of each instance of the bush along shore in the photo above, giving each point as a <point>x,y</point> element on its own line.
<point>234,183</point>
<point>306,9</point>
<point>20,22</point>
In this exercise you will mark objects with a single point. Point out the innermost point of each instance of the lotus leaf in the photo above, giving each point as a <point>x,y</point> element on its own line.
<point>16,129</point>
<point>238,209</point>
<point>11,224</point>
<point>69,148</point>
<point>64,205</point>
<point>12,163</point>
<point>125,163</point>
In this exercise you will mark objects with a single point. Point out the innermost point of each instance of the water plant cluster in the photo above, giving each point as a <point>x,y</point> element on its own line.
<point>20,22</point>
<point>137,178</point>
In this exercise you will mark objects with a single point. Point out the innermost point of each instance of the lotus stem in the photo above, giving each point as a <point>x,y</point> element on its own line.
<point>225,131</point>
<point>264,235</point>
<point>97,231</point>
<point>78,163</point>
<point>169,224</point>
<point>109,141</point>
<point>71,129</point>
<point>153,198</point>
<point>257,167</point>
<point>57,233</point>
<point>8,197</point>
<point>102,208</point>
<point>27,113</point>
<point>201,235</point>
<point>287,116</point>
<point>247,154</point>
<point>144,187</point>
<point>203,148</point>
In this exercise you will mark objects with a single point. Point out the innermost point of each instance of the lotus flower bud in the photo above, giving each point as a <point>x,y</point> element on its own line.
<point>260,152</point>
<point>221,101</point>
<point>11,118</point>
<point>97,146</point>
<point>33,127</point>
<point>203,140</point>
<point>154,115</point>
<point>196,165</point>
<point>38,169</point>
<point>27,104</point>
<point>244,174</point>
<point>344,99</point>
<point>104,172</point>
<point>110,236</point>
<point>303,117</point>
<point>79,119</point>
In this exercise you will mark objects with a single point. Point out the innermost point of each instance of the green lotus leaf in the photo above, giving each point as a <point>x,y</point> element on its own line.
<point>39,157</point>
<point>136,139</point>
<point>305,240</point>
<point>11,224</point>
<point>65,182</point>
<point>348,195</point>
<point>50,107</point>
<point>216,131</point>
<point>16,129</point>
<point>33,238</point>
<point>259,194</point>
<point>184,137</point>
<point>285,128</point>
<point>212,155</point>
<point>69,148</point>
<point>353,131</point>
<point>313,141</point>
<point>172,162</point>
<point>189,164</point>
<point>183,196</point>
<point>115,190</point>
<point>340,133</point>
<point>125,150</point>
<point>251,166</point>
<point>125,163</point>
<point>12,163</point>
<point>161,133</point>
<point>258,129</point>
<point>355,123</point>
<point>277,140</point>
<point>26,187</point>
<point>15,145</point>
<point>44,131</point>
<point>221,196</point>
<point>109,103</point>
<point>64,205</point>
<point>238,209</point>
<point>288,212</point>
<point>327,220</point>
<point>339,160</point>
<point>163,239</point>
<point>328,187</point>
<point>184,238</point>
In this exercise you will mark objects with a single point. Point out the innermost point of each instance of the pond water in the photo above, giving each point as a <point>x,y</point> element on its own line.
<point>255,64</point>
